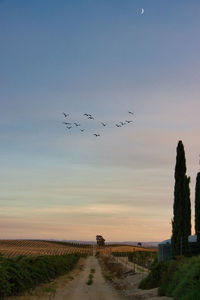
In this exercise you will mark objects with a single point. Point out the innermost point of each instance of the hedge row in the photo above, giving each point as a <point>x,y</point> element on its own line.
<point>24,273</point>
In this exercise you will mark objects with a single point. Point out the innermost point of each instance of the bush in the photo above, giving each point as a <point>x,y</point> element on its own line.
<point>114,268</point>
<point>166,280</point>
<point>153,280</point>
<point>185,282</point>
<point>178,278</point>
<point>24,273</point>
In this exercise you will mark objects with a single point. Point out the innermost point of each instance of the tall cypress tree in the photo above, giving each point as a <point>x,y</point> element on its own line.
<point>197,209</point>
<point>187,206</point>
<point>181,224</point>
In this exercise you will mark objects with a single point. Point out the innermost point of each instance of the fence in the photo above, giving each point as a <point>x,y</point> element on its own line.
<point>165,254</point>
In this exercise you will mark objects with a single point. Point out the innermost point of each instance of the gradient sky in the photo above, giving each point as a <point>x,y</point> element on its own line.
<point>105,58</point>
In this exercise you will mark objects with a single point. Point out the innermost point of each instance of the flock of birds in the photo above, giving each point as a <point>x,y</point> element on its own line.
<point>70,124</point>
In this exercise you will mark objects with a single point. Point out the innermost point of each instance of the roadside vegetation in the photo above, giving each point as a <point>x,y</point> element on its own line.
<point>177,278</point>
<point>24,273</point>
<point>90,277</point>
<point>141,258</point>
<point>110,268</point>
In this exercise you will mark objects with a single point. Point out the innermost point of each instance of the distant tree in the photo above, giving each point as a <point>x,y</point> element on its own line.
<point>139,244</point>
<point>181,223</point>
<point>100,241</point>
<point>197,209</point>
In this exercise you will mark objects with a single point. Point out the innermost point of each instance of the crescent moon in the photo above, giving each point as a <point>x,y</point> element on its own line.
<point>142,12</point>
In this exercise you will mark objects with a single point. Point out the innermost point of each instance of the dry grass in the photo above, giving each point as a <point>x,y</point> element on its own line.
<point>124,248</point>
<point>111,268</point>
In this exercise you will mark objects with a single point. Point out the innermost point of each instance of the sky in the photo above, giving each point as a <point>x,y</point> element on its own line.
<point>104,58</point>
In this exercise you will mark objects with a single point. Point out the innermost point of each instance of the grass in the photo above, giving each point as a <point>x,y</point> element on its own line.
<point>153,280</point>
<point>141,258</point>
<point>110,269</point>
<point>178,278</point>
<point>90,277</point>
<point>50,291</point>
<point>106,273</point>
<point>185,281</point>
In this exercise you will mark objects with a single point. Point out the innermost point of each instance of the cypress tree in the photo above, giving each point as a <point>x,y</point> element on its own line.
<point>181,223</point>
<point>197,209</point>
<point>187,206</point>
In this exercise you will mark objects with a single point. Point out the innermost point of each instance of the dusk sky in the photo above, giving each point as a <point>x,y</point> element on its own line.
<point>104,58</point>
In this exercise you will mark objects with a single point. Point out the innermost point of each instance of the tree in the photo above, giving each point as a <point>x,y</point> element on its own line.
<point>197,209</point>
<point>100,241</point>
<point>187,206</point>
<point>181,223</point>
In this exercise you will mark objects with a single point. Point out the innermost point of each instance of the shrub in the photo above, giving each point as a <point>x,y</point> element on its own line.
<point>185,281</point>
<point>153,280</point>
<point>172,266</point>
<point>178,278</point>
<point>24,273</point>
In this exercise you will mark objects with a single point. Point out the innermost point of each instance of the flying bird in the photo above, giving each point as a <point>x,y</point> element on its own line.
<point>96,134</point>
<point>90,118</point>
<point>122,123</point>
<point>69,127</point>
<point>66,123</point>
<point>142,11</point>
<point>77,124</point>
<point>129,121</point>
<point>82,130</point>
<point>65,115</point>
<point>130,112</point>
<point>104,124</point>
<point>86,115</point>
<point>118,125</point>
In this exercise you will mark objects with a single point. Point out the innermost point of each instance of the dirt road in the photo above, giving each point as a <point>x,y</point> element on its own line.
<point>73,286</point>
<point>79,290</point>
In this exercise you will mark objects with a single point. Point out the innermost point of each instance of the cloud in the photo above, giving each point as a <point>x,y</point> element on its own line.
<point>113,228</point>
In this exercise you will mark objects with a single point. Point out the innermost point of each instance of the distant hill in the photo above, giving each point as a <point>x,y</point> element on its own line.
<point>131,243</point>
<point>144,244</point>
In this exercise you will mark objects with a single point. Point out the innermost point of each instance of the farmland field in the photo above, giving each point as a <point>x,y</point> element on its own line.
<point>124,248</point>
<point>13,248</point>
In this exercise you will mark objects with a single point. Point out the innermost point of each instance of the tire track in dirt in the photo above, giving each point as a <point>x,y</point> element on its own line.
<point>79,290</point>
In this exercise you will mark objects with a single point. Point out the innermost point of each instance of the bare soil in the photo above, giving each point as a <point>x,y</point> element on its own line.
<point>128,288</point>
<point>126,276</point>
<point>74,286</point>
<point>98,290</point>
